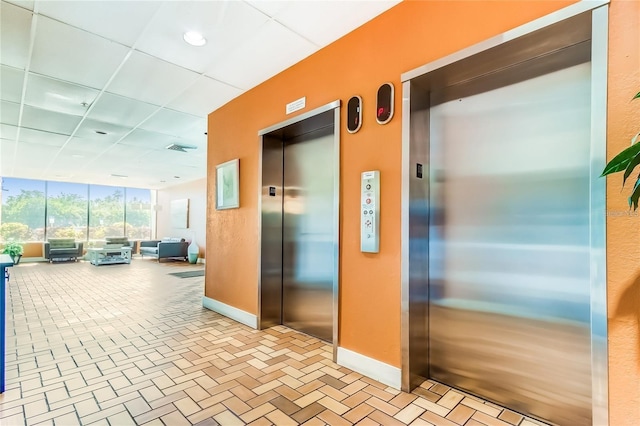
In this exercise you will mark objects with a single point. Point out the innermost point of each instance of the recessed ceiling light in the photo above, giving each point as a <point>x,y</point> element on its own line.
<point>194,38</point>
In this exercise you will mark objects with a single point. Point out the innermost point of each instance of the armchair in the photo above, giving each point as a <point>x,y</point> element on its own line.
<point>62,248</point>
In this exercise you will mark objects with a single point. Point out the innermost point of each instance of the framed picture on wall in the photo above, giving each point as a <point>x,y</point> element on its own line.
<point>180,213</point>
<point>228,185</point>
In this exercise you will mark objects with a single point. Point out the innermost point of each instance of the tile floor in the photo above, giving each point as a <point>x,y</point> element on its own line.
<point>130,344</point>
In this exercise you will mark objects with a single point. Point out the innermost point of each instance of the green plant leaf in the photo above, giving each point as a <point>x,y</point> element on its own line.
<point>632,165</point>
<point>622,160</point>
<point>636,96</point>
<point>635,195</point>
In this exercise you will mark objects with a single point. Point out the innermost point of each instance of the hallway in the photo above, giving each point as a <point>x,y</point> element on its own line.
<point>131,344</point>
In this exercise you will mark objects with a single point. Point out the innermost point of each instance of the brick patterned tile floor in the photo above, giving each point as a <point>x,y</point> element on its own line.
<point>130,344</point>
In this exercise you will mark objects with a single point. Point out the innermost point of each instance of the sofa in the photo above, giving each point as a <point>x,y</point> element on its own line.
<point>167,248</point>
<point>122,242</point>
<point>62,248</point>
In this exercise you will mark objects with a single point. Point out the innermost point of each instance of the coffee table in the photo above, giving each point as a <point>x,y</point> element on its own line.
<point>109,256</point>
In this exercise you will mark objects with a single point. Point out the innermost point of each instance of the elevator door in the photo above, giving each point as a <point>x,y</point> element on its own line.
<point>307,240</point>
<point>509,265</point>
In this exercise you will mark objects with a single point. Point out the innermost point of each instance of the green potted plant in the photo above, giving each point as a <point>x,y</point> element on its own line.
<point>626,161</point>
<point>14,250</point>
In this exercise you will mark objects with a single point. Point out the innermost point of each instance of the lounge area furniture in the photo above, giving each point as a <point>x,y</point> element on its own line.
<point>123,241</point>
<point>113,250</point>
<point>109,255</point>
<point>167,248</point>
<point>62,248</point>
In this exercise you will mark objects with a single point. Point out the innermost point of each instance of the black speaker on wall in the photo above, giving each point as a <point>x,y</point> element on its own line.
<point>354,114</point>
<point>384,104</point>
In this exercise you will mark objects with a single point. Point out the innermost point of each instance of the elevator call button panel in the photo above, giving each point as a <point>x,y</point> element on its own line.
<point>370,212</point>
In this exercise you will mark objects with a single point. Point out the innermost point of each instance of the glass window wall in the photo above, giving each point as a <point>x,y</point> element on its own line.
<point>22,210</point>
<point>106,212</point>
<point>33,210</point>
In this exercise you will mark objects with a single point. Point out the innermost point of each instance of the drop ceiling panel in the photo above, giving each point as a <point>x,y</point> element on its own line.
<point>271,8</point>
<point>316,21</point>
<point>149,140</point>
<point>133,153</point>
<point>89,148</point>
<point>178,124</point>
<point>273,49</point>
<point>15,29</point>
<point>117,109</point>
<point>113,131</point>
<point>99,17</point>
<point>57,95</point>
<point>220,22</point>
<point>40,137</point>
<point>49,121</point>
<point>167,159</point>
<point>151,80</point>
<point>7,149</point>
<point>9,113</point>
<point>11,81</point>
<point>25,4</point>
<point>71,54</point>
<point>78,46</point>
<point>8,132</point>
<point>204,96</point>
<point>29,172</point>
<point>34,155</point>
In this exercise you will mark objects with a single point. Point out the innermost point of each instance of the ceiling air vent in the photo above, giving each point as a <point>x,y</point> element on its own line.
<point>181,148</point>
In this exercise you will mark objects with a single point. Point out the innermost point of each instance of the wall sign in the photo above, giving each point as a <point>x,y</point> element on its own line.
<point>296,105</point>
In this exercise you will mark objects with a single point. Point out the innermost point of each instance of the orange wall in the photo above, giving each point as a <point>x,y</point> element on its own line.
<point>196,192</point>
<point>407,36</point>
<point>623,250</point>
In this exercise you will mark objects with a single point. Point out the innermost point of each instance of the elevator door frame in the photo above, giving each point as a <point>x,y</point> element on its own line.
<point>266,316</point>
<point>417,87</point>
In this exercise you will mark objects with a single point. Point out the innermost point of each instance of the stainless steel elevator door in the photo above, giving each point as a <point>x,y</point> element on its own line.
<point>509,270</point>
<point>307,241</point>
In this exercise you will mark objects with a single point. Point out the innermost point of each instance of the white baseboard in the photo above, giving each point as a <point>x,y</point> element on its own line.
<point>229,311</point>
<point>377,370</point>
